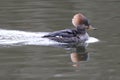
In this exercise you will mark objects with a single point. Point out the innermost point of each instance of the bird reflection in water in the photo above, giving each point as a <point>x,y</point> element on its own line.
<point>79,54</point>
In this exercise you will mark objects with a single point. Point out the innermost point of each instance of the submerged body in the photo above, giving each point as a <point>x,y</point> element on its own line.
<point>69,35</point>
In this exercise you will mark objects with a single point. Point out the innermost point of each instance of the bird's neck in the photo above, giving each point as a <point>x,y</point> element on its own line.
<point>81,30</point>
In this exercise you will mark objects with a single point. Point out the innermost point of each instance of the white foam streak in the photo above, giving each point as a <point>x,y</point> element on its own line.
<point>16,37</point>
<point>92,40</point>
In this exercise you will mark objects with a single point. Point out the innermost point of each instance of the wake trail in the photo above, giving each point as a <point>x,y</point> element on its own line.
<point>16,37</point>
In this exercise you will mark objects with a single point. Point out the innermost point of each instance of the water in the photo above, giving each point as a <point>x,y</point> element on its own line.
<point>25,59</point>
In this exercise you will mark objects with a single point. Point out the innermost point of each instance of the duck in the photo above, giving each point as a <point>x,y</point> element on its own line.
<point>78,34</point>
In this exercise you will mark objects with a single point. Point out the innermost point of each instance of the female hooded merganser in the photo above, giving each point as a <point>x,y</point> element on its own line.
<point>78,34</point>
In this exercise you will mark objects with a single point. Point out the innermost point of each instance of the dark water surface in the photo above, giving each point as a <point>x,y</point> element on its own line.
<point>100,61</point>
